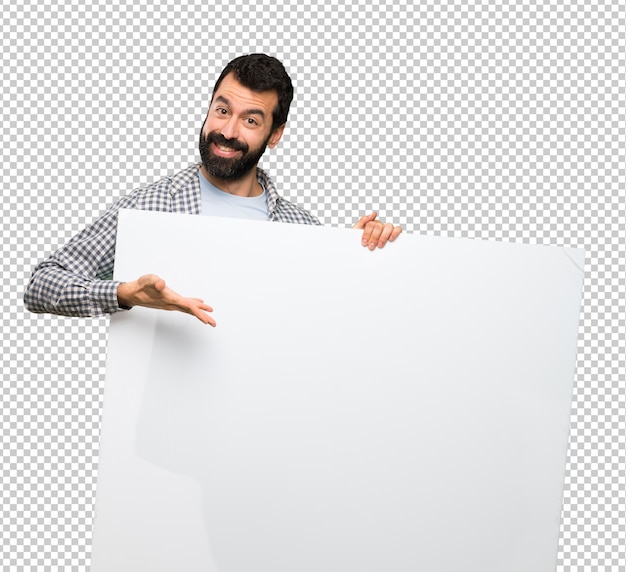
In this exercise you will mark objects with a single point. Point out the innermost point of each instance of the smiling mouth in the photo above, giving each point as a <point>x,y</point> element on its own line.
<point>225,149</point>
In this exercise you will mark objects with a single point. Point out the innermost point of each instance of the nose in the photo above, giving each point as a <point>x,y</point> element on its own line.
<point>229,128</point>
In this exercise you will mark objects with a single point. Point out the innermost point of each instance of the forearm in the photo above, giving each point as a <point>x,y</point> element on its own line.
<point>55,290</point>
<point>76,279</point>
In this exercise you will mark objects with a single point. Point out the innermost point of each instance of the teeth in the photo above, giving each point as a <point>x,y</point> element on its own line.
<point>225,149</point>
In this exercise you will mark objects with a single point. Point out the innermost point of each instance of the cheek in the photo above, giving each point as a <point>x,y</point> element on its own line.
<point>207,127</point>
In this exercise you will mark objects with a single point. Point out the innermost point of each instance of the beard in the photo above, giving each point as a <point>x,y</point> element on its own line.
<point>229,169</point>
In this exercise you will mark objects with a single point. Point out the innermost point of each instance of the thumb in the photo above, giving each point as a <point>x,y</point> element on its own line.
<point>360,224</point>
<point>152,281</point>
<point>159,284</point>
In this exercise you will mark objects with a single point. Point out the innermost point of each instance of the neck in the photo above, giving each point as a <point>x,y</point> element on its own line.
<point>248,186</point>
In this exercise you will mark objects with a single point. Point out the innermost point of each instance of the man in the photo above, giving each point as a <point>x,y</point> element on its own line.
<point>248,112</point>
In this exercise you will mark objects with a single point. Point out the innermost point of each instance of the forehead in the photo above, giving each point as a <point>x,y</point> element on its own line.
<point>241,98</point>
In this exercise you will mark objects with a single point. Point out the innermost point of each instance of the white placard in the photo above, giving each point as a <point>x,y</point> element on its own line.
<point>397,410</point>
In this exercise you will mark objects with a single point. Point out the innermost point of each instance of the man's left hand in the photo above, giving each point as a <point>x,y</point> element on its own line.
<point>376,233</point>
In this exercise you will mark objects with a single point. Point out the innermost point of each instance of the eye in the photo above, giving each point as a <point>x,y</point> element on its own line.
<point>251,121</point>
<point>221,110</point>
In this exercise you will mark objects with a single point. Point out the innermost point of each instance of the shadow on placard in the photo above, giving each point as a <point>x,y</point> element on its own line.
<point>175,418</point>
<point>250,487</point>
<point>182,430</point>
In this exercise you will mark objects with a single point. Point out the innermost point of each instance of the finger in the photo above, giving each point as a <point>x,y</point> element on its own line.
<point>360,224</point>
<point>384,235</point>
<point>199,300</point>
<point>390,233</point>
<point>377,229</point>
<point>148,280</point>
<point>159,284</point>
<point>197,311</point>
<point>366,238</point>
<point>200,310</point>
<point>204,317</point>
<point>396,231</point>
<point>150,283</point>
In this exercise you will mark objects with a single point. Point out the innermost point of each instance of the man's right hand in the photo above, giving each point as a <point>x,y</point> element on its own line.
<point>152,292</point>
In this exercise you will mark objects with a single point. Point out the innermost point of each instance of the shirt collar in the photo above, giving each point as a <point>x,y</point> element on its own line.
<point>272,196</point>
<point>189,178</point>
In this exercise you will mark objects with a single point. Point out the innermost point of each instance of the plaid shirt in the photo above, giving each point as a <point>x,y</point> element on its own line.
<point>77,279</point>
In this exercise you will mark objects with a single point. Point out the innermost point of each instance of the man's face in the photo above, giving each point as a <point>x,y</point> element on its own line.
<point>237,129</point>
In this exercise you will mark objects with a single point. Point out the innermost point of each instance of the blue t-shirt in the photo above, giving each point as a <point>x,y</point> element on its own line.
<point>220,203</point>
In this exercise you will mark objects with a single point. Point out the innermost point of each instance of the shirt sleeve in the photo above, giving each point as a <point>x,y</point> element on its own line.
<point>77,279</point>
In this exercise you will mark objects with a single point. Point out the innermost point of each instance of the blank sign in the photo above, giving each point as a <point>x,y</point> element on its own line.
<point>400,410</point>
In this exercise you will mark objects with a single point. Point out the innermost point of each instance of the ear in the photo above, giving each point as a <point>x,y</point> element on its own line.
<point>275,136</point>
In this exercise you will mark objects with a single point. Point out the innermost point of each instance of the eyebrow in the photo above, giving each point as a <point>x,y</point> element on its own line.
<point>222,99</point>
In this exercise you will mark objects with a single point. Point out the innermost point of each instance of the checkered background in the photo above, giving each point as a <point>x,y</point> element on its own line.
<point>493,120</point>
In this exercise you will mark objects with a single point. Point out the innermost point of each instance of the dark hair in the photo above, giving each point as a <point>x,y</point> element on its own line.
<point>260,72</point>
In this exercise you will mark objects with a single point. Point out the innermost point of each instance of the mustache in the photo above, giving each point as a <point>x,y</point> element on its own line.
<point>219,139</point>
